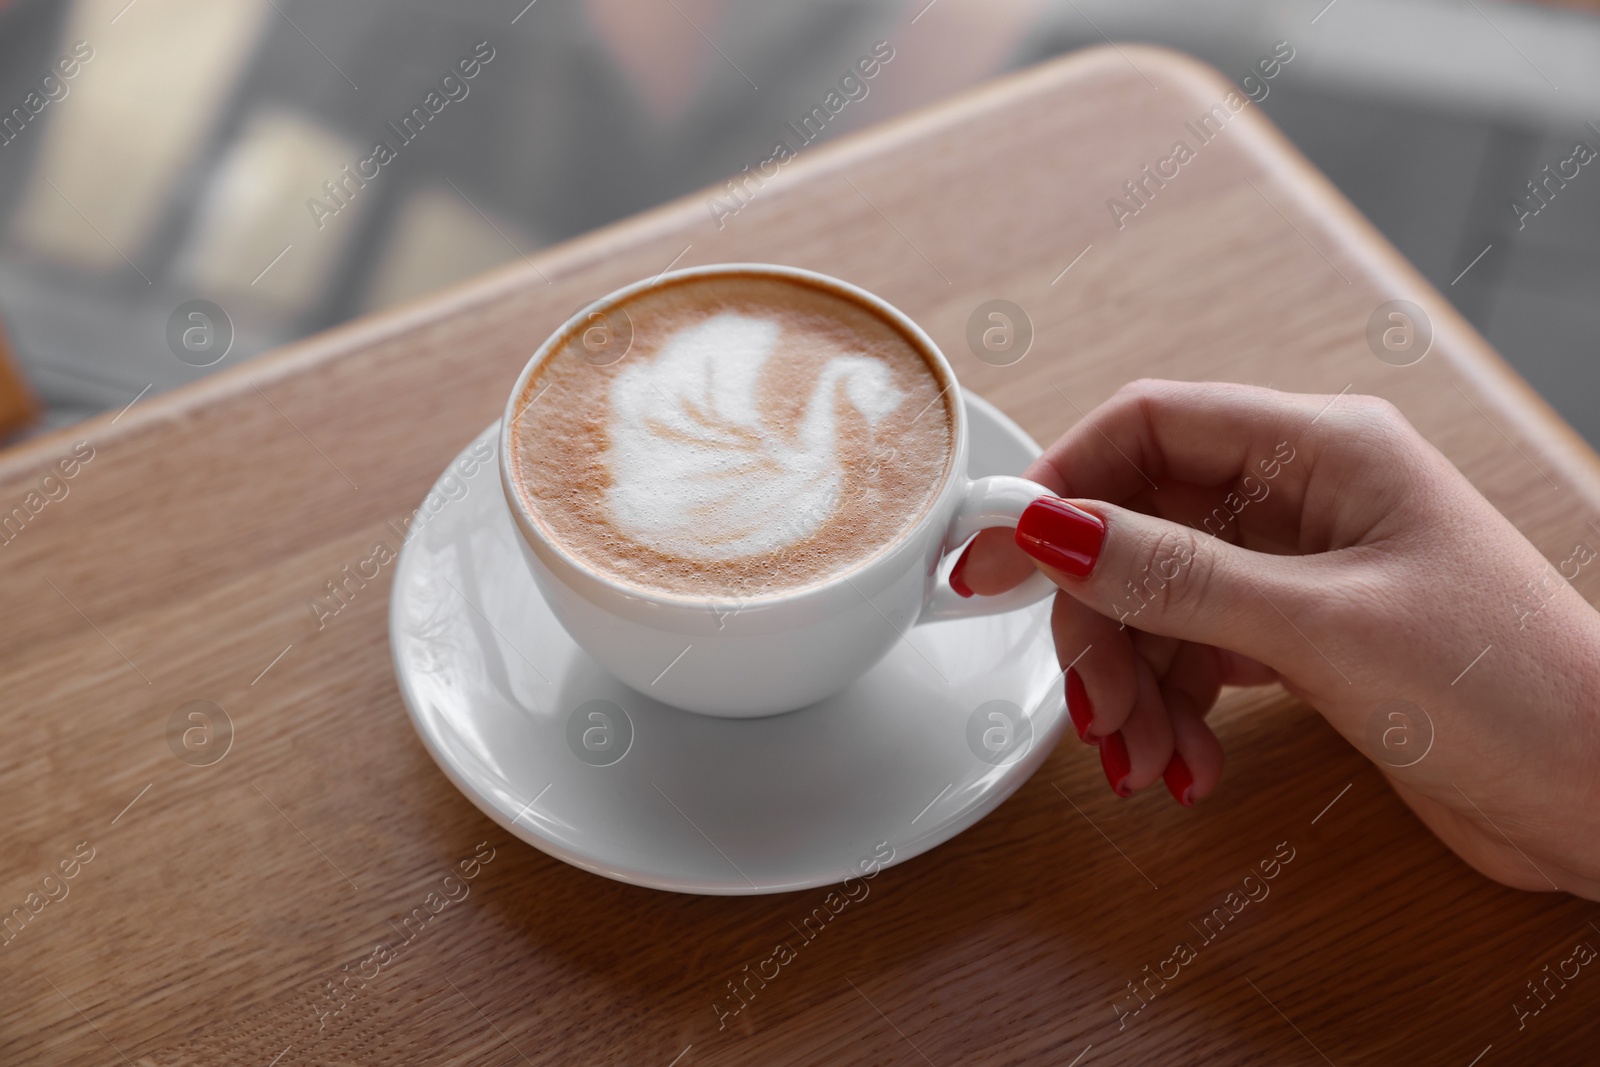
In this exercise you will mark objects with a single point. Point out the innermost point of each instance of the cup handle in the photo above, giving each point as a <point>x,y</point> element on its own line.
<point>995,501</point>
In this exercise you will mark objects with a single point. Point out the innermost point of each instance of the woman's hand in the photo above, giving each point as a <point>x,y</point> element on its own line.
<point>1222,534</point>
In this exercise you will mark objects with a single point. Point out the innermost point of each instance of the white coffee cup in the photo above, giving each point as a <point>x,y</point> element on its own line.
<point>743,657</point>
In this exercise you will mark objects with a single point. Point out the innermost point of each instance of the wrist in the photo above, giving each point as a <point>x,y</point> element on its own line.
<point>1563,667</point>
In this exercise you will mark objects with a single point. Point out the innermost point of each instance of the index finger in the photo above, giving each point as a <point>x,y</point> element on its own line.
<point>1202,433</point>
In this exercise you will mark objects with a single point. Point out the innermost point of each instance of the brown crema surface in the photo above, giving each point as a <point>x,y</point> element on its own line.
<point>891,471</point>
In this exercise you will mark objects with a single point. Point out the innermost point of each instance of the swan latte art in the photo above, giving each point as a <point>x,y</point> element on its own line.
<point>760,435</point>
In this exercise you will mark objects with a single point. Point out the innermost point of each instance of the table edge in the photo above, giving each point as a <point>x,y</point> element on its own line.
<point>1458,341</point>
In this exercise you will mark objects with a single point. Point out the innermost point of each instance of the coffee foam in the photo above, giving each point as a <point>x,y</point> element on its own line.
<point>695,469</point>
<point>761,434</point>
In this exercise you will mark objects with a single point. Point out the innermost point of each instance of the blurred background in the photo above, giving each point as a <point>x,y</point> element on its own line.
<point>155,153</point>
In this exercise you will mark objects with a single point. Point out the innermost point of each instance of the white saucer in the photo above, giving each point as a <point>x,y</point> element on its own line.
<point>506,703</point>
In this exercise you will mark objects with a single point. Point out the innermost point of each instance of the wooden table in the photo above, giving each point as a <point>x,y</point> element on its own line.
<point>222,901</point>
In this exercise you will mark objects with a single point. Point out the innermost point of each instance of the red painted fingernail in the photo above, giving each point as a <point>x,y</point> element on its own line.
<point>1079,707</point>
<point>956,581</point>
<point>1180,781</point>
<point>1114,761</point>
<point>1055,533</point>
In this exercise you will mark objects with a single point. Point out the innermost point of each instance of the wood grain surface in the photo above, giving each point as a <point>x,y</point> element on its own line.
<point>223,903</point>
